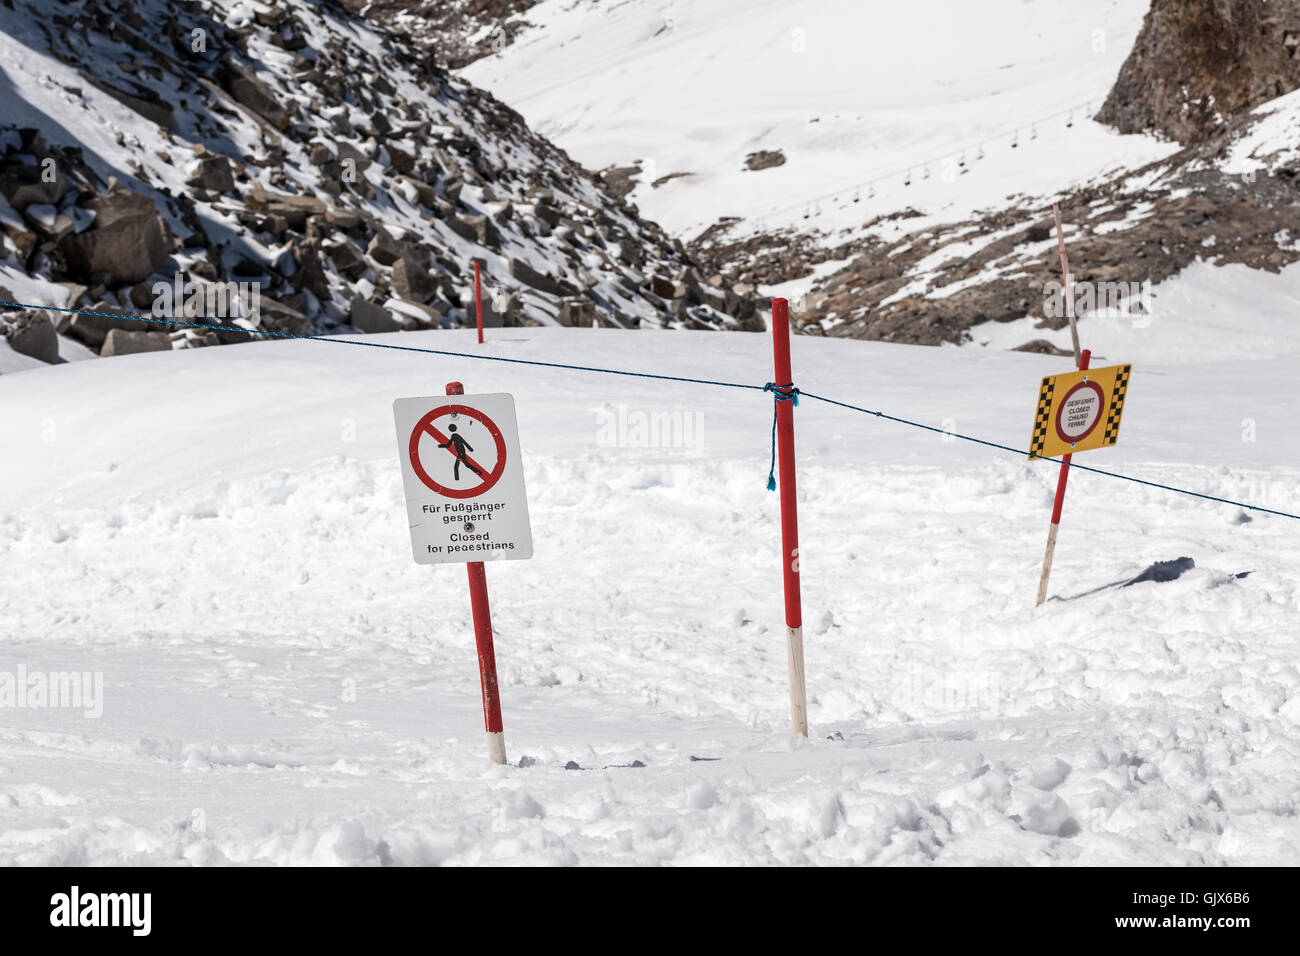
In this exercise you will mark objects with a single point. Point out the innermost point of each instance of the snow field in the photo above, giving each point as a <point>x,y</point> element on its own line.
<point>850,91</point>
<point>283,684</point>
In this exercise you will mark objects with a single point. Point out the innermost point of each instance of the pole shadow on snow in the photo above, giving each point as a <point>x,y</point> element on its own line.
<point>1158,572</point>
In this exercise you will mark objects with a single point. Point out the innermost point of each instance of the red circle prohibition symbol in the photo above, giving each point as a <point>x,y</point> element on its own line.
<point>425,426</point>
<point>1101,409</point>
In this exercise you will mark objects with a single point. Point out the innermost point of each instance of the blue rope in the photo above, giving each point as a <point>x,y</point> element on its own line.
<point>336,340</point>
<point>780,393</point>
<point>1068,464</point>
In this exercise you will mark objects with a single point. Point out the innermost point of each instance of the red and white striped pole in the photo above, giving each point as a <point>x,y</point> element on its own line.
<point>789,516</point>
<point>487,661</point>
<point>1057,504</point>
<point>478,302</point>
<point>1081,358</point>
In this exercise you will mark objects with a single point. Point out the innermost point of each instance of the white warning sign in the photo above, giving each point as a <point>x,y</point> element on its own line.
<point>463,477</point>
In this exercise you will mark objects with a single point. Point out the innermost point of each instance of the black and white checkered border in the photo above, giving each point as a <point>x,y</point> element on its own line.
<point>1116,410</point>
<point>1042,418</point>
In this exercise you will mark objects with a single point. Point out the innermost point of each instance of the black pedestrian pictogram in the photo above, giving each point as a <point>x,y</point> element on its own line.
<point>460,450</point>
<point>459,446</point>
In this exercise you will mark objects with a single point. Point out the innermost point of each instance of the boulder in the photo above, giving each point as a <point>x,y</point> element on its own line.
<point>401,161</point>
<point>92,330</point>
<point>577,312</point>
<point>477,229</point>
<point>32,334</point>
<point>294,209</point>
<point>23,239</point>
<point>765,159</point>
<point>499,311</point>
<point>143,101</point>
<point>282,318</point>
<point>28,184</point>
<point>127,242</point>
<point>368,317</point>
<point>411,280</point>
<point>122,342</point>
<point>213,173</point>
<point>74,293</point>
<point>522,271</point>
<point>662,287</point>
<point>245,88</point>
<point>422,315</point>
<point>48,222</point>
<point>344,218</point>
<point>425,194</point>
<point>383,248</point>
<point>310,274</point>
<point>347,257</point>
<point>352,160</point>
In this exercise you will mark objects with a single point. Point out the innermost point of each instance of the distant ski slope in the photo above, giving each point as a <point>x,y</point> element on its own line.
<point>849,90</point>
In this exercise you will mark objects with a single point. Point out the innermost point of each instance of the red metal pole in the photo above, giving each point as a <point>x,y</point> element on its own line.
<point>1059,502</point>
<point>478,302</point>
<point>1084,358</point>
<point>789,516</point>
<point>487,662</point>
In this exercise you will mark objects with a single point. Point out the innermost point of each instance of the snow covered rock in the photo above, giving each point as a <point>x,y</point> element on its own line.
<point>32,333</point>
<point>127,242</point>
<point>120,342</point>
<point>368,317</point>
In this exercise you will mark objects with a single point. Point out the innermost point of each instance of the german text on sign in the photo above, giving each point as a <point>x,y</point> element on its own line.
<point>463,478</point>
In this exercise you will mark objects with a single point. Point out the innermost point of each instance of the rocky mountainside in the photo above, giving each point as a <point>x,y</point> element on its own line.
<point>1231,195</point>
<point>1197,63</point>
<point>295,149</point>
<point>1232,199</point>
<point>456,32</point>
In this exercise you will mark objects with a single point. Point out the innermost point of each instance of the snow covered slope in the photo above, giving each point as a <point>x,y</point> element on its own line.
<point>296,147</point>
<point>219,533</point>
<point>855,94</point>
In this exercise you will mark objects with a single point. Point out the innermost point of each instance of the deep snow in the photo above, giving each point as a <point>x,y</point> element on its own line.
<point>220,533</point>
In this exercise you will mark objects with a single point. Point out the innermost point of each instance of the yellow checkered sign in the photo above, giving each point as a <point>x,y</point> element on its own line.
<point>1078,411</point>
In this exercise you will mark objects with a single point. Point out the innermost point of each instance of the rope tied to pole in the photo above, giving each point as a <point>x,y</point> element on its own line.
<point>780,393</point>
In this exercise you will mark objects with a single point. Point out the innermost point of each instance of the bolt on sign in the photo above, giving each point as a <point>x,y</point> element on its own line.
<point>463,478</point>
<point>1079,411</point>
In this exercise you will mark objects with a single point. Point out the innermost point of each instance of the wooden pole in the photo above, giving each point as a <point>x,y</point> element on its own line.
<point>1069,290</point>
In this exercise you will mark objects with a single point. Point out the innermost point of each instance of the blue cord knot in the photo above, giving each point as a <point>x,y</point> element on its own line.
<point>780,393</point>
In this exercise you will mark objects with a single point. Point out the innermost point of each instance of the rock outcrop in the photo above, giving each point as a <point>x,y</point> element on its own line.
<point>1197,63</point>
